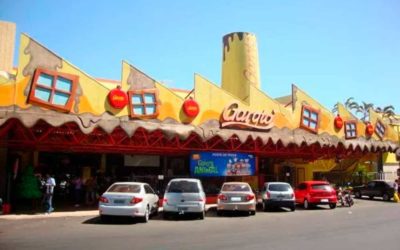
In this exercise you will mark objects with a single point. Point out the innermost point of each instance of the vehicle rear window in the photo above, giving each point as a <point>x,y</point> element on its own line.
<point>235,188</point>
<point>124,188</point>
<point>325,187</point>
<point>279,187</point>
<point>183,187</point>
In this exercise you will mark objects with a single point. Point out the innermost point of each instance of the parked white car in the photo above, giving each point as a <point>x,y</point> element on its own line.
<point>134,199</point>
<point>236,196</point>
<point>278,194</point>
<point>184,196</point>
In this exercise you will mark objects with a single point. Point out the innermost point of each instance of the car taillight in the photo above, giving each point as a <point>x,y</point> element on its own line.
<point>267,195</point>
<point>136,200</point>
<point>291,195</point>
<point>103,199</point>
<point>164,200</point>
<point>249,197</point>
<point>222,197</point>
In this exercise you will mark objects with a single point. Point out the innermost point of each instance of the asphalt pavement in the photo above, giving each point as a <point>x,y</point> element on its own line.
<point>367,225</point>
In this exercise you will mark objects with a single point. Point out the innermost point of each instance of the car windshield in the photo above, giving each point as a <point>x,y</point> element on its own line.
<point>279,187</point>
<point>324,187</point>
<point>124,188</point>
<point>183,187</point>
<point>235,188</point>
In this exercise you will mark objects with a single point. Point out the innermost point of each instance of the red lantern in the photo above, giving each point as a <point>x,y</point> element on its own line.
<point>369,130</point>
<point>338,122</point>
<point>191,108</point>
<point>117,98</point>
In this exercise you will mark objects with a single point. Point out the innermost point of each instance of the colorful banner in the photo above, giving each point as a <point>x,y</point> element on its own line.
<point>222,164</point>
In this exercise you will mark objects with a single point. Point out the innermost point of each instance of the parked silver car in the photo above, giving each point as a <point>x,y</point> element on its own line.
<point>236,196</point>
<point>278,194</point>
<point>184,196</point>
<point>133,199</point>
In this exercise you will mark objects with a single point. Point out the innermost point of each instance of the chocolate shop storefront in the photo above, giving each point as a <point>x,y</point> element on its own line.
<point>58,119</point>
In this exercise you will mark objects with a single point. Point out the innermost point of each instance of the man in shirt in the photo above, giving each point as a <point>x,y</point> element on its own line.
<point>50,184</point>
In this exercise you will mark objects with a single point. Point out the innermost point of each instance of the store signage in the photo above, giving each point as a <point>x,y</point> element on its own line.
<point>234,116</point>
<point>117,98</point>
<point>190,108</point>
<point>221,164</point>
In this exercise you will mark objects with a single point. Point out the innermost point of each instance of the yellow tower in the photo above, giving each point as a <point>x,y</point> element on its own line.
<point>240,67</point>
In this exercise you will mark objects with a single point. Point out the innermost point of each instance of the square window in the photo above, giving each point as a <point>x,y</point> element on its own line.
<point>143,103</point>
<point>63,84</point>
<point>380,129</point>
<point>60,98</point>
<point>150,109</point>
<point>350,129</point>
<point>149,98</point>
<point>309,119</point>
<point>45,80</point>
<point>138,110</point>
<point>137,99</point>
<point>53,90</point>
<point>43,94</point>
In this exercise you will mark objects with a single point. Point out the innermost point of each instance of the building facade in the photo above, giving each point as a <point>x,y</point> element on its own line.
<point>58,119</point>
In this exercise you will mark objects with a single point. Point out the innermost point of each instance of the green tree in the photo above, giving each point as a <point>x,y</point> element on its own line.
<point>28,187</point>
<point>364,110</point>
<point>349,104</point>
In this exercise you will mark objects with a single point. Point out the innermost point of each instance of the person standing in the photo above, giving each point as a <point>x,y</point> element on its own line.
<point>78,183</point>
<point>50,184</point>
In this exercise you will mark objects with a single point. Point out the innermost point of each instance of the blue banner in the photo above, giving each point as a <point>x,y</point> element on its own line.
<point>222,164</point>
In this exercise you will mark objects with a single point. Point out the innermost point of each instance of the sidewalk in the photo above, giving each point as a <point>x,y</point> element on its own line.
<point>63,214</point>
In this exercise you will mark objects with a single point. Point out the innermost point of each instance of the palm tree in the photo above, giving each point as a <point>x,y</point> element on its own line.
<point>350,104</point>
<point>387,112</point>
<point>364,110</point>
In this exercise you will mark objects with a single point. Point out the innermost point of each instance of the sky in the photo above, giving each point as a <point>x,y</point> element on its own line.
<point>332,50</point>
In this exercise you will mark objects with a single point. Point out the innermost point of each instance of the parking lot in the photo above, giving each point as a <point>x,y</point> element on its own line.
<point>367,225</point>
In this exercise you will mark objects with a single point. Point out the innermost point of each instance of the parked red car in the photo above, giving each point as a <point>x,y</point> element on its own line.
<point>310,193</point>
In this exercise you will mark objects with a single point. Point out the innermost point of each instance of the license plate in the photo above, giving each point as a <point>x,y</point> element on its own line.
<point>182,208</point>
<point>119,201</point>
<point>324,200</point>
<point>236,199</point>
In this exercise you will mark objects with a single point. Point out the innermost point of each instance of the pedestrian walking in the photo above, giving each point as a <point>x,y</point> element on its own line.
<point>50,184</point>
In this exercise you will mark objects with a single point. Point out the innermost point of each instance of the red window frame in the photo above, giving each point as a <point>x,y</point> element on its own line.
<point>310,110</point>
<point>34,100</point>
<point>142,92</point>
<point>378,132</point>
<point>346,130</point>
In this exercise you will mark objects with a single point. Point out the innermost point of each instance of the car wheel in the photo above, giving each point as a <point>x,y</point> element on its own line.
<point>104,218</point>
<point>253,212</point>
<point>165,215</point>
<point>306,204</point>
<point>202,215</point>
<point>220,212</point>
<point>265,207</point>
<point>332,205</point>
<point>146,216</point>
<point>357,194</point>
<point>386,197</point>
<point>370,197</point>
<point>293,208</point>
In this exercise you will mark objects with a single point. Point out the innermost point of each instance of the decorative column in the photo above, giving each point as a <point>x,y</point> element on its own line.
<point>240,67</point>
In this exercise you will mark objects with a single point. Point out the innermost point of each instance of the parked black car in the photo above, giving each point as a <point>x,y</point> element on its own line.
<point>373,189</point>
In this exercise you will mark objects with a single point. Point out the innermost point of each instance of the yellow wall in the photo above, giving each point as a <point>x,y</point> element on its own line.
<point>212,99</point>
